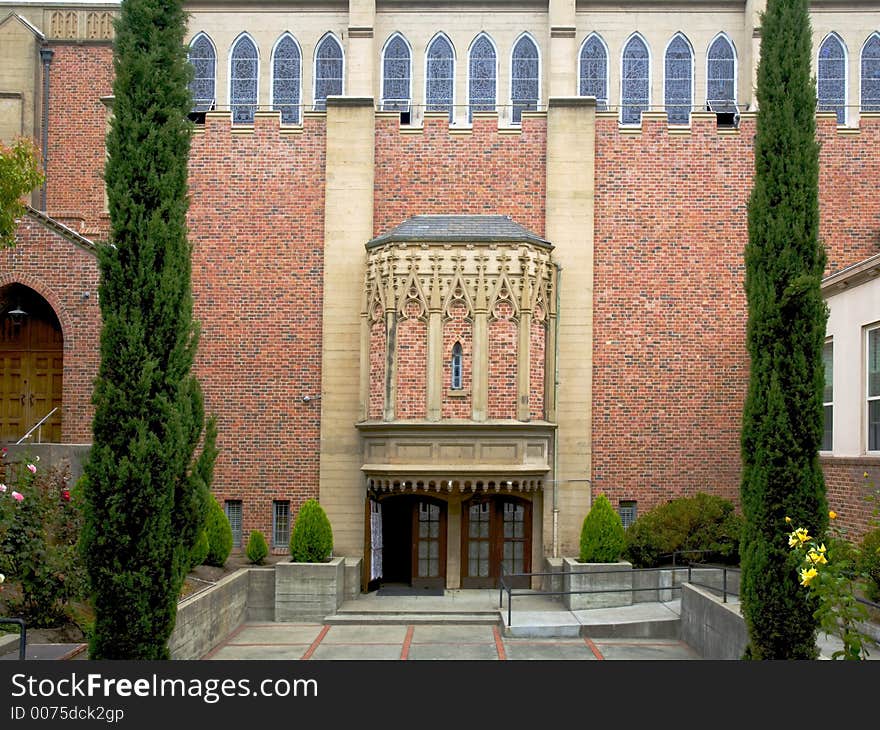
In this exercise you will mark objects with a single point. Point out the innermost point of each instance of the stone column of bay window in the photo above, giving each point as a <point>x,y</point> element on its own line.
<point>524,345</point>
<point>434,392</point>
<point>360,57</point>
<point>550,352</point>
<point>364,384</point>
<point>390,346</point>
<point>480,350</point>
<point>562,79</point>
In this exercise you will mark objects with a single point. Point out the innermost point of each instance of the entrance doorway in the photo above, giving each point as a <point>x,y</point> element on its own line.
<point>495,531</point>
<point>413,542</point>
<point>31,365</point>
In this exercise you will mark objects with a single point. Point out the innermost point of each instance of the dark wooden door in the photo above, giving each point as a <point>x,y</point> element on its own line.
<point>429,544</point>
<point>496,531</point>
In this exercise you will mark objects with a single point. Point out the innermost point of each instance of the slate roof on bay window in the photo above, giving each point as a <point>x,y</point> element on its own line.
<point>459,229</point>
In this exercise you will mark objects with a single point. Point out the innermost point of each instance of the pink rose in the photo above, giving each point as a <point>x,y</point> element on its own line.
<point>17,497</point>
<point>32,469</point>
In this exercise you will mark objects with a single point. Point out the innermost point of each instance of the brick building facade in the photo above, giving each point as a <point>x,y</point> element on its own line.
<point>453,310</point>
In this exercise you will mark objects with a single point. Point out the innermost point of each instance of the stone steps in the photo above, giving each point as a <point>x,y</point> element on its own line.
<point>422,617</point>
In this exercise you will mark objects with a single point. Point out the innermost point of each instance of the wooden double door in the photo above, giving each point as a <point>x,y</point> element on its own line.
<point>31,375</point>
<point>496,531</point>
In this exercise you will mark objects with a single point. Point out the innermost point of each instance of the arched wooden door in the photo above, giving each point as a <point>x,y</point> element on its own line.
<point>496,531</point>
<point>31,366</point>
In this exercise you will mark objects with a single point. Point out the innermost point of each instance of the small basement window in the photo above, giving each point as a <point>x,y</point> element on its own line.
<point>627,511</point>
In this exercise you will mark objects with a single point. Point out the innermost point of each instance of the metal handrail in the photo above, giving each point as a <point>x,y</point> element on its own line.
<point>22,634</point>
<point>38,425</point>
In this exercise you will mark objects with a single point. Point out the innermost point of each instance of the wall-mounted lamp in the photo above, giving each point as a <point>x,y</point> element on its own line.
<point>17,315</point>
<point>310,398</point>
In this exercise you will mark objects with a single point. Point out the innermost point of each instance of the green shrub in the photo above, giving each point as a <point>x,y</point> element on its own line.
<point>219,534</point>
<point>602,534</point>
<point>869,563</point>
<point>704,523</point>
<point>200,549</point>
<point>311,540</point>
<point>257,549</point>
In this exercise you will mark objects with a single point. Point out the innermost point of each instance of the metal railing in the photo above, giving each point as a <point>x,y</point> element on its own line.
<point>22,634</point>
<point>38,427</point>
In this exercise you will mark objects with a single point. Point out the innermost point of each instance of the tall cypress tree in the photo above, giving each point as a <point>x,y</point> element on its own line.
<point>145,489</point>
<point>782,420</point>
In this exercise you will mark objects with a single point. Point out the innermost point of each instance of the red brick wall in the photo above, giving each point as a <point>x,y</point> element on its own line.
<point>412,364</point>
<point>502,362</point>
<point>257,222</point>
<point>79,76</point>
<point>61,272</point>
<point>458,328</point>
<point>538,340</point>
<point>377,370</point>
<point>848,481</point>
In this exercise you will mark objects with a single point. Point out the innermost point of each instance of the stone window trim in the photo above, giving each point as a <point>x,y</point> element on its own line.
<point>593,41</point>
<point>318,97</point>
<point>396,43</point>
<point>208,98</point>
<point>439,39</point>
<point>870,53</point>
<point>642,102</point>
<point>716,59</point>
<point>293,116</point>
<point>242,104</point>
<point>677,43</point>
<point>533,100</point>
<point>838,102</point>
<point>482,43</point>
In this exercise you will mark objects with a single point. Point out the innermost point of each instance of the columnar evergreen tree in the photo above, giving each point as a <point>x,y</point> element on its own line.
<point>782,421</point>
<point>144,487</point>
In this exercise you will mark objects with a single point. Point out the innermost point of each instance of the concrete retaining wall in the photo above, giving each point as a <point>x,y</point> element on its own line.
<point>261,594</point>
<point>597,577</point>
<point>714,629</point>
<point>308,591</point>
<point>72,456</point>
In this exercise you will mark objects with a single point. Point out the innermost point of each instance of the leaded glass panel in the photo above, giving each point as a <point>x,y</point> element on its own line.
<point>871,75</point>
<point>594,71</point>
<point>832,78</point>
<point>243,81</point>
<point>286,79</point>
<point>440,75</point>
<point>481,77</point>
<point>721,81</point>
<point>524,78</point>
<point>396,74</point>
<point>634,96</point>
<point>204,61</point>
<point>679,65</point>
<point>328,71</point>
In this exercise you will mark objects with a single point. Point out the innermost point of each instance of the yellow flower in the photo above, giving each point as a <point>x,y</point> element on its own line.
<point>832,515</point>
<point>799,537</point>
<point>788,520</point>
<point>807,575</point>
<point>865,475</point>
<point>817,557</point>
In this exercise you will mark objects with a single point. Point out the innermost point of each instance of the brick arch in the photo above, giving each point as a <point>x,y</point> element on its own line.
<point>45,291</point>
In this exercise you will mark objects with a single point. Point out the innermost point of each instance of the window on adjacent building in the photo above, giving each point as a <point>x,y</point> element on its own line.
<point>396,75</point>
<point>482,72</point>
<point>233,514</point>
<point>873,389</point>
<point>280,523</point>
<point>721,74</point>
<point>593,72</point>
<point>832,77</point>
<point>203,58</point>
<point>679,80</point>
<point>627,511</point>
<point>243,76</point>
<point>828,396</point>
<point>457,367</point>
<point>287,79</point>
<point>328,70</point>
<point>635,81</point>
<point>524,86</point>
<point>440,76</point>
<point>871,74</point>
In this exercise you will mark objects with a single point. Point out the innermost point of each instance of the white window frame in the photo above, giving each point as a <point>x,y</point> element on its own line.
<point>580,62</point>
<point>286,34</point>
<point>238,39</point>
<point>481,34</point>
<point>623,80</point>
<point>732,45</point>
<point>321,40</point>
<point>409,98</point>
<point>826,404</point>
<point>690,46</point>
<point>454,71</point>
<point>840,40</point>
<point>868,397</point>
<point>537,46</point>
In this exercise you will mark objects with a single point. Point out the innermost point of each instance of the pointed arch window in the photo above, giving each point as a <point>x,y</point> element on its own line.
<point>678,80</point>
<point>482,72</point>
<point>457,367</point>
<point>635,76</point>
<point>831,77</point>
<point>328,70</point>
<point>287,79</point>
<point>593,72</point>
<point>243,76</point>
<point>203,58</point>
<point>440,76</point>
<point>396,75</point>
<point>721,74</point>
<point>524,85</point>
<point>871,74</point>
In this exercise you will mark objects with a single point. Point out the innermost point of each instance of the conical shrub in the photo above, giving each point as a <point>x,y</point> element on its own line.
<point>312,538</point>
<point>602,535</point>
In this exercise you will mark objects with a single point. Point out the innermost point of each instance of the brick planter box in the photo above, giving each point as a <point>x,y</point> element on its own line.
<point>308,591</point>
<point>594,577</point>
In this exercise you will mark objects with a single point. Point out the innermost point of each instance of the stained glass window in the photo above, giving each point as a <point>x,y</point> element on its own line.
<point>635,76</point>
<point>244,73</point>
<point>678,80</point>
<point>440,76</point>
<point>396,75</point>
<point>832,78</point>
<point>328,70</point>
<point>286,79</point>
<point>524,78</point>
<point>721,81</point>
<point>481,76</point>
<point>871,74</point>
<point>203,58</point>
<point>457,372</point>
<point>594,71</point>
